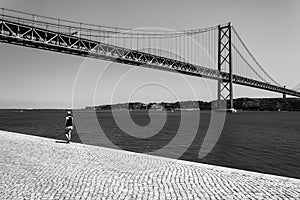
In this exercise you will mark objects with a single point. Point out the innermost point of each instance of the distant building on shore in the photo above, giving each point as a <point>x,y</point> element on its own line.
<point>156,106</point>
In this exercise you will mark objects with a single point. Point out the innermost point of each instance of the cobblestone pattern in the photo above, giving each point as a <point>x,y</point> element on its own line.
<point>40,168</point>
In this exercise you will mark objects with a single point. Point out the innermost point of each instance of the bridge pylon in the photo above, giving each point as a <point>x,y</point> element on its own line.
<point>284,94</point>
<point>225,86</point>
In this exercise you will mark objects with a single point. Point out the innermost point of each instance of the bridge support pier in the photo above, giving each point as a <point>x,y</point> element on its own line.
<point>284,94</point>
<point>225,86</point>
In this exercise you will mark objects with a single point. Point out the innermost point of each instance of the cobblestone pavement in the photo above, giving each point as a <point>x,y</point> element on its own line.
<point>40,168</point>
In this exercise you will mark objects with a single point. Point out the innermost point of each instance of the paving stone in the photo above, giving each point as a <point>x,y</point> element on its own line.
<point>40,168</point>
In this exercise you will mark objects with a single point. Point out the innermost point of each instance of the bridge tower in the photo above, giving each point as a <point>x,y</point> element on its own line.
<point>225,87</point>
<point>284,94</point>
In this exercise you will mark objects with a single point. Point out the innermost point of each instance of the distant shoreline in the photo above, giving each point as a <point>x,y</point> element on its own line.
<point>241,104</point>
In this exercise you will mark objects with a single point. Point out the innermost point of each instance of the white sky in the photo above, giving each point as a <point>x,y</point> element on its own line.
<point>40,79</point>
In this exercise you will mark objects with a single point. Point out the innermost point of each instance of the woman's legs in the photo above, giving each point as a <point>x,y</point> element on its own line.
<point>69,134</point>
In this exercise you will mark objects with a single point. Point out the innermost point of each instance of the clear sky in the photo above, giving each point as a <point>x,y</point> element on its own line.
<point>31,78</point>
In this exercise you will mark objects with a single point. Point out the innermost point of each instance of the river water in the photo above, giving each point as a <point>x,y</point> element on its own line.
<point>267,142</point>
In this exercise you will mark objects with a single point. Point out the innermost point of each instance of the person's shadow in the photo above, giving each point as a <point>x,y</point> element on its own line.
<point>61,141</point>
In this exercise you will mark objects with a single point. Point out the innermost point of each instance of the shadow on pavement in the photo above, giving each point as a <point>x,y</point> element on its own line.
<point>61,141</point>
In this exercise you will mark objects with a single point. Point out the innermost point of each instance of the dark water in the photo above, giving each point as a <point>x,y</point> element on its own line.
<point>267,142</point>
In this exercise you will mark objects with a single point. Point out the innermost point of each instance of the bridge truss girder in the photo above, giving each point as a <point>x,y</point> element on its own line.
<point>16,33</point>
<point>31,36</point>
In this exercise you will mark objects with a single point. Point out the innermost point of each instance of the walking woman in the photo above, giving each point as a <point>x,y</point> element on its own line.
<point>69,126</point>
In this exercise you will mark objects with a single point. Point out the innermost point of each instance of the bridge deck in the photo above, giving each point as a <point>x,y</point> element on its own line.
<point>39,168</point>
<point>37,36</point>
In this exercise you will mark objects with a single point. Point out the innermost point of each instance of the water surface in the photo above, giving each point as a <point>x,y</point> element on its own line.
<point>267,142</point>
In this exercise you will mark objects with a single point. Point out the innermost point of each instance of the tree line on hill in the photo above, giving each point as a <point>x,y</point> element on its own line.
<point>247,104</point>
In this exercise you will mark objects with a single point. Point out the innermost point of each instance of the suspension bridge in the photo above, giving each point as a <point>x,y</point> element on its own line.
<point>216,52</point>
<point>297,87</point>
